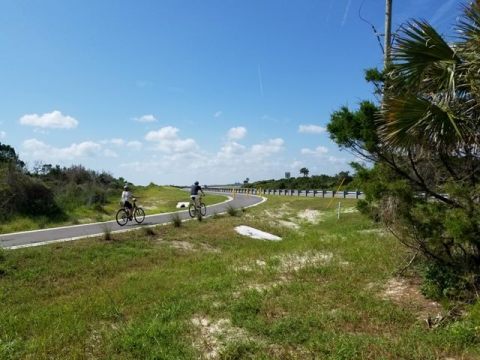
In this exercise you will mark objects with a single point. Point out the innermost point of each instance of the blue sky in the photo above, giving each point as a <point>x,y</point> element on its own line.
<point>174,91</point>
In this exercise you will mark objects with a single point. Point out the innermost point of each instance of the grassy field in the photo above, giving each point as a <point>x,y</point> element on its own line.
<point>154,199</point>
<point>328,290</point>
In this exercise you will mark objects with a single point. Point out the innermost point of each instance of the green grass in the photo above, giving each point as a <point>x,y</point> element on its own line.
<point>148,296</point>
<point>154,199</point>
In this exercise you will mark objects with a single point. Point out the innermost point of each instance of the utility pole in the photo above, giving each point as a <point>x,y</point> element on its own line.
<point>388,33</point>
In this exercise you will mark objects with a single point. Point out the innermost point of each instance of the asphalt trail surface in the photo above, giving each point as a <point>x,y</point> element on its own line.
<point>75,232</point>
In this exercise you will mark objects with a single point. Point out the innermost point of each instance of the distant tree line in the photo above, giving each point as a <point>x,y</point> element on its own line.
<point>50,190</point>
<point>320,182</point>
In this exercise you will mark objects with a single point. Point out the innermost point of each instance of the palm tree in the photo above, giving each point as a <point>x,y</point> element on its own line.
<point>304,171</point>
<point>433,93</point>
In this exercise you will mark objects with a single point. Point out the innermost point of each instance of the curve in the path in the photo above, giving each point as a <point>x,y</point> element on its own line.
<point>74,232</point>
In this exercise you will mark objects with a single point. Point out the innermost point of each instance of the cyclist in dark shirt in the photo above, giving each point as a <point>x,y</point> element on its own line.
<point>194,193</point>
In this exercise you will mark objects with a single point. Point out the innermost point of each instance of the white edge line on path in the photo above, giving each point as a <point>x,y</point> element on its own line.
<point>40,243</point>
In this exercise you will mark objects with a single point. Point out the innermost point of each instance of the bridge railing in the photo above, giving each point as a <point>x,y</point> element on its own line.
<point>292,192</point>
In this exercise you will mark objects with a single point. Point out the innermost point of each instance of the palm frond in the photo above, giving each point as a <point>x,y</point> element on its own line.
<point>422,59</point>
<point>411,120</point>
<point>469,24</point>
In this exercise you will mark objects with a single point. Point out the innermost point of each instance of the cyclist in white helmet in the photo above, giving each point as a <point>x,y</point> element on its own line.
<point>126,198</point>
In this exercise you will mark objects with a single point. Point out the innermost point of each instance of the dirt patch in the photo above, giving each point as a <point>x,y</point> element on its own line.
<point>215,335</point>
<point>380,232</point>
<point>406,293</point>
<point>288,224</point>
<point>296,262</point>
<point>189,247</point>
<point>281,212</point>
<point>349,210</point>
<point>290,262</point>
<point>312,216</point>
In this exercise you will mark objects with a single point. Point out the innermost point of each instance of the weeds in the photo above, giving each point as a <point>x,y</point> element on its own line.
<point>107,233</point>
<point>148,231</point>
<point>232,211</point>
<point>176,220</point>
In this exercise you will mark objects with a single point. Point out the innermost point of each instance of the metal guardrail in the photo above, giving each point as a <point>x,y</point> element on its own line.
<point>293,192</point>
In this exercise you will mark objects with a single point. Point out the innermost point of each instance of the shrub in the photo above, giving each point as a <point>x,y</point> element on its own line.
<point>176,220</point>
<point>232,211</point>
<point>148,231</point>
<point>107,233</point>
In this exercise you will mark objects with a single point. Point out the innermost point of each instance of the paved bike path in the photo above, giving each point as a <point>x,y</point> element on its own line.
<point>74,232</point>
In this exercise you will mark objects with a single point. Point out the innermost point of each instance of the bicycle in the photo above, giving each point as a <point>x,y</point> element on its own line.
<point>122,216</point>
<point>197,210</point>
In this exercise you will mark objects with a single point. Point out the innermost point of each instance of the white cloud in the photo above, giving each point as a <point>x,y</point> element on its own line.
<point>321,153</point>
<point>318,151</point>
<point>165,133</point>
<point>3,134</point>
<point>237,133</point>
<point>230,150</point>
<point>39,150</point>
<point>146,118</point>
<point>115,141</point>
<point>168,141</point>
<point>135,145</point>
<point>110,153</point>
<point>311,129</point>
<point>218,114</point>
<point>267,148</point>
<point>53,120</point>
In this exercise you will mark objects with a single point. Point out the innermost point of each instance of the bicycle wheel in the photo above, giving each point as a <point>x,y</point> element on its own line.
<point>139,215</point>
<point>203,209</point>
<point>192,210</point>
<point>122,217</point>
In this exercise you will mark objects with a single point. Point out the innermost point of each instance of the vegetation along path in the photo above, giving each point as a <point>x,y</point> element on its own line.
<point>67,233</point>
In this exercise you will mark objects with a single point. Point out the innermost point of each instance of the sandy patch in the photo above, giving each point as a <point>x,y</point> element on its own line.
<point>312,216</point>
<point>267,286</point>
<point>380,232</point>
<point>255,233</point>
<point>188,246</point>
<point>278,213</point>
<point>296,262</point>
<point>149,207</point>
<point>348,210</point>
<point>407,294</point>
<point>288,224</point>
<point>215,335</point>
<point>182,245</point>
<point>290,262</point>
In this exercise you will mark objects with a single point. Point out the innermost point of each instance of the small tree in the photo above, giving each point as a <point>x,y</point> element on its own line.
<point>424,140</point>
<point>304,171</point>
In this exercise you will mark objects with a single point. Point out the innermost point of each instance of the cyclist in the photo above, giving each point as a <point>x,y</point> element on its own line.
<point>194,193</point>
<point>126,197</point>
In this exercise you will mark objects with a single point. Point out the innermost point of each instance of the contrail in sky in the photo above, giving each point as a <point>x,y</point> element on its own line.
<point>442,10</point>
<point>345,14</point>
<point>260,82</point>
<point>329,11</point>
